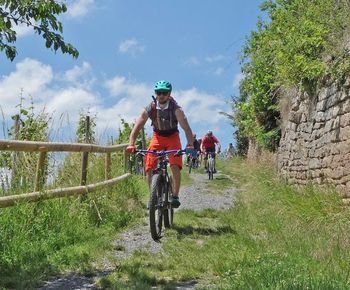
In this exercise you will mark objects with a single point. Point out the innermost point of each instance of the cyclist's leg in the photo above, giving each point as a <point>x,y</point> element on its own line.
<point>214,157</point>
<point>176,179</point>
<point>151,160</point>
<point>206,159</point>
<point>210,151</point>
<point>173,143</point>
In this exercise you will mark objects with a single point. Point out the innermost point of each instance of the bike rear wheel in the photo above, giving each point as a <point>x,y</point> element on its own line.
<point>156,207</point>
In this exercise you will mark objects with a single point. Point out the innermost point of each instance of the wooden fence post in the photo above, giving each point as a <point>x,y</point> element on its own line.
<point>39,178</point>
<point>85,155</point>
<point>126,161</point>
<point>108,166</point>
<point>15,154</point>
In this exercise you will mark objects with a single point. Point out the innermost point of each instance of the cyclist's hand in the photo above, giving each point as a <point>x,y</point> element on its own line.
<point>131,149</point>
<point>189,149</point>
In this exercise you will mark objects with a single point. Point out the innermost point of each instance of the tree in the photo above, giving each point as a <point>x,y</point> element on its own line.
<point>39,14</point>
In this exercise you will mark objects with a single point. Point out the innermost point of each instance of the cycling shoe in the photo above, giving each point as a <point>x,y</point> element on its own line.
<point>175,202</point>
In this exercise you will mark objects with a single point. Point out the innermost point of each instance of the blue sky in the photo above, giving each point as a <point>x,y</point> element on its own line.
<point>125,47</point>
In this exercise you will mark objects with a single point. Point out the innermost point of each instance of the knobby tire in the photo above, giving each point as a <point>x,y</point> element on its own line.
<point>168,210</point>
<point>211,168</point>
<point>155,207</point>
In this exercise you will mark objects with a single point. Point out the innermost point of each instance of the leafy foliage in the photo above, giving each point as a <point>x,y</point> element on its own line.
<point>28,126</point>
<point>302,43</point>
<point>39,14</point>
<point>85,132</point>
<point>32,126</point>
<point>45,238</point>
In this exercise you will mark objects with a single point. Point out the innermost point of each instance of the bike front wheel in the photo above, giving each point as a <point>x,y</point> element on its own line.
<point>211,168</point>
<point>156,207</point>
<point>168,217</point>
<point>168,210</point>
<point>190,164</point>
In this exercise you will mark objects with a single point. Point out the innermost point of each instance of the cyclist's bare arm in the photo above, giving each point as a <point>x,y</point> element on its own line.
<point>140,122</point>
<point>180,116</point>
<point>219,146</point>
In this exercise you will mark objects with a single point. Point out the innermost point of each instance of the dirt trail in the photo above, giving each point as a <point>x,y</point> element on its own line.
<point>195,196</point>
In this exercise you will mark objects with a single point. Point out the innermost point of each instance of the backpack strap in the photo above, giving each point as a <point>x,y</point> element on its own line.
<point>153,110</point>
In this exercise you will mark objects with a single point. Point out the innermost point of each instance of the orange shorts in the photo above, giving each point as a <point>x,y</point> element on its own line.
<point>160,143</point>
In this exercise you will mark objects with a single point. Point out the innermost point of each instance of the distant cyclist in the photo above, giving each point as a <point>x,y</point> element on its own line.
<point>230,151</point>
<point>165,115</point>
<point>200,155</point>
<point>196,151</point>
<point>208,147</point>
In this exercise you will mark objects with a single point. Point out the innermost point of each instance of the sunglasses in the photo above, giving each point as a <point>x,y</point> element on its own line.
<point>162,93</point>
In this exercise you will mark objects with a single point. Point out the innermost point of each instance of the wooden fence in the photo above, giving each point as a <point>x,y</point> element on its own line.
<point>42,148</point>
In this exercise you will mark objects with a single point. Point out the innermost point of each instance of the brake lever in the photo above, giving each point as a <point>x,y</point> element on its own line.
<point>179,153</point>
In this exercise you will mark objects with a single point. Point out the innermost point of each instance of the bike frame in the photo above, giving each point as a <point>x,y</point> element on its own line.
<point>160,192</point>
<point>210,164</point>
<point>193,162</point>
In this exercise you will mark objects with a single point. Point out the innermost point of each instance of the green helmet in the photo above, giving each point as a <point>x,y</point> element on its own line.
<point>163,86</point>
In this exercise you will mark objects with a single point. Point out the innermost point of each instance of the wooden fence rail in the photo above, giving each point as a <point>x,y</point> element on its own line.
<point>43,148</point>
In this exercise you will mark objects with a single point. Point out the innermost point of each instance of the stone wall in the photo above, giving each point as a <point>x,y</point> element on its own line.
<point>315,143</point>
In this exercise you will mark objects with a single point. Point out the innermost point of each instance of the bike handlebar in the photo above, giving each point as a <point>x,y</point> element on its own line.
<point>160,153</point>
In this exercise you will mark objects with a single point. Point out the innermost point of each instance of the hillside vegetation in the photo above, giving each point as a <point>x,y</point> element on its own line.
<point>275,237</point>
<point>49,237</point>
<point>301,45</point>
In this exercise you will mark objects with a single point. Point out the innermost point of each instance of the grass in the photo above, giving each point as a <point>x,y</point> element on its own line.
<point>42,239</point>
<point>276,237</point>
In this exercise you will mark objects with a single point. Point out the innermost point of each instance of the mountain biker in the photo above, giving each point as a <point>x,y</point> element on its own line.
<point>165,115</point>
<point>230,150</point>
<point>208,147</point>
<point>196,147</point>
<point>200,155</point>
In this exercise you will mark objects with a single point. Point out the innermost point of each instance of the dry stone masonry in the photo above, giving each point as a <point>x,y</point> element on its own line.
<point>315,143</point>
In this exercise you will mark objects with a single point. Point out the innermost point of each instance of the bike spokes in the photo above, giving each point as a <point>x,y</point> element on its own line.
<point>156,207</point>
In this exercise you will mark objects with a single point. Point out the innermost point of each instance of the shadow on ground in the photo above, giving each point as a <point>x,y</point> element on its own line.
<point>185,231</point>
<point>137,278</point>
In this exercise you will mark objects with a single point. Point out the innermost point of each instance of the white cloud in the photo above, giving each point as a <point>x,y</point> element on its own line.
<point>68,98</point>
<point>71,100</point>
<point>131,98</point>
<point>192,61</point>
<point>119,86</point>
<point>36,81</point>
<point>237,79</point>
<point>200,107</point>
<point>131,46</point>
<point>219,71</point>
<point>75,73</point>
<point>31,76</point>
<point>79,8</point>
<point>23,30</point>
<point>80,76</point>
<point>214,58</point>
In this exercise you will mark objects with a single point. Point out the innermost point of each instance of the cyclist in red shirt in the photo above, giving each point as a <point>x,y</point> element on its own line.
<point>208,147</point>
<point>165,115</point>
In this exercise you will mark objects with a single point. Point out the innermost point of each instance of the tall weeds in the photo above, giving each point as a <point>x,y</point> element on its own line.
<point>44,238</point>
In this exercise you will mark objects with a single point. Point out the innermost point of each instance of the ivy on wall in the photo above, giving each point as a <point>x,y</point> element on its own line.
<point>301,43</point>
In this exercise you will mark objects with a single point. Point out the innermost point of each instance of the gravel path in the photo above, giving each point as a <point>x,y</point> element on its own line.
<point>194,196</point>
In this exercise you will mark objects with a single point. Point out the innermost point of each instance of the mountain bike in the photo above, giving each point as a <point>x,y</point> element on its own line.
<point>193,162</point>
<point>210,165</point>
<point>160,208</point>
